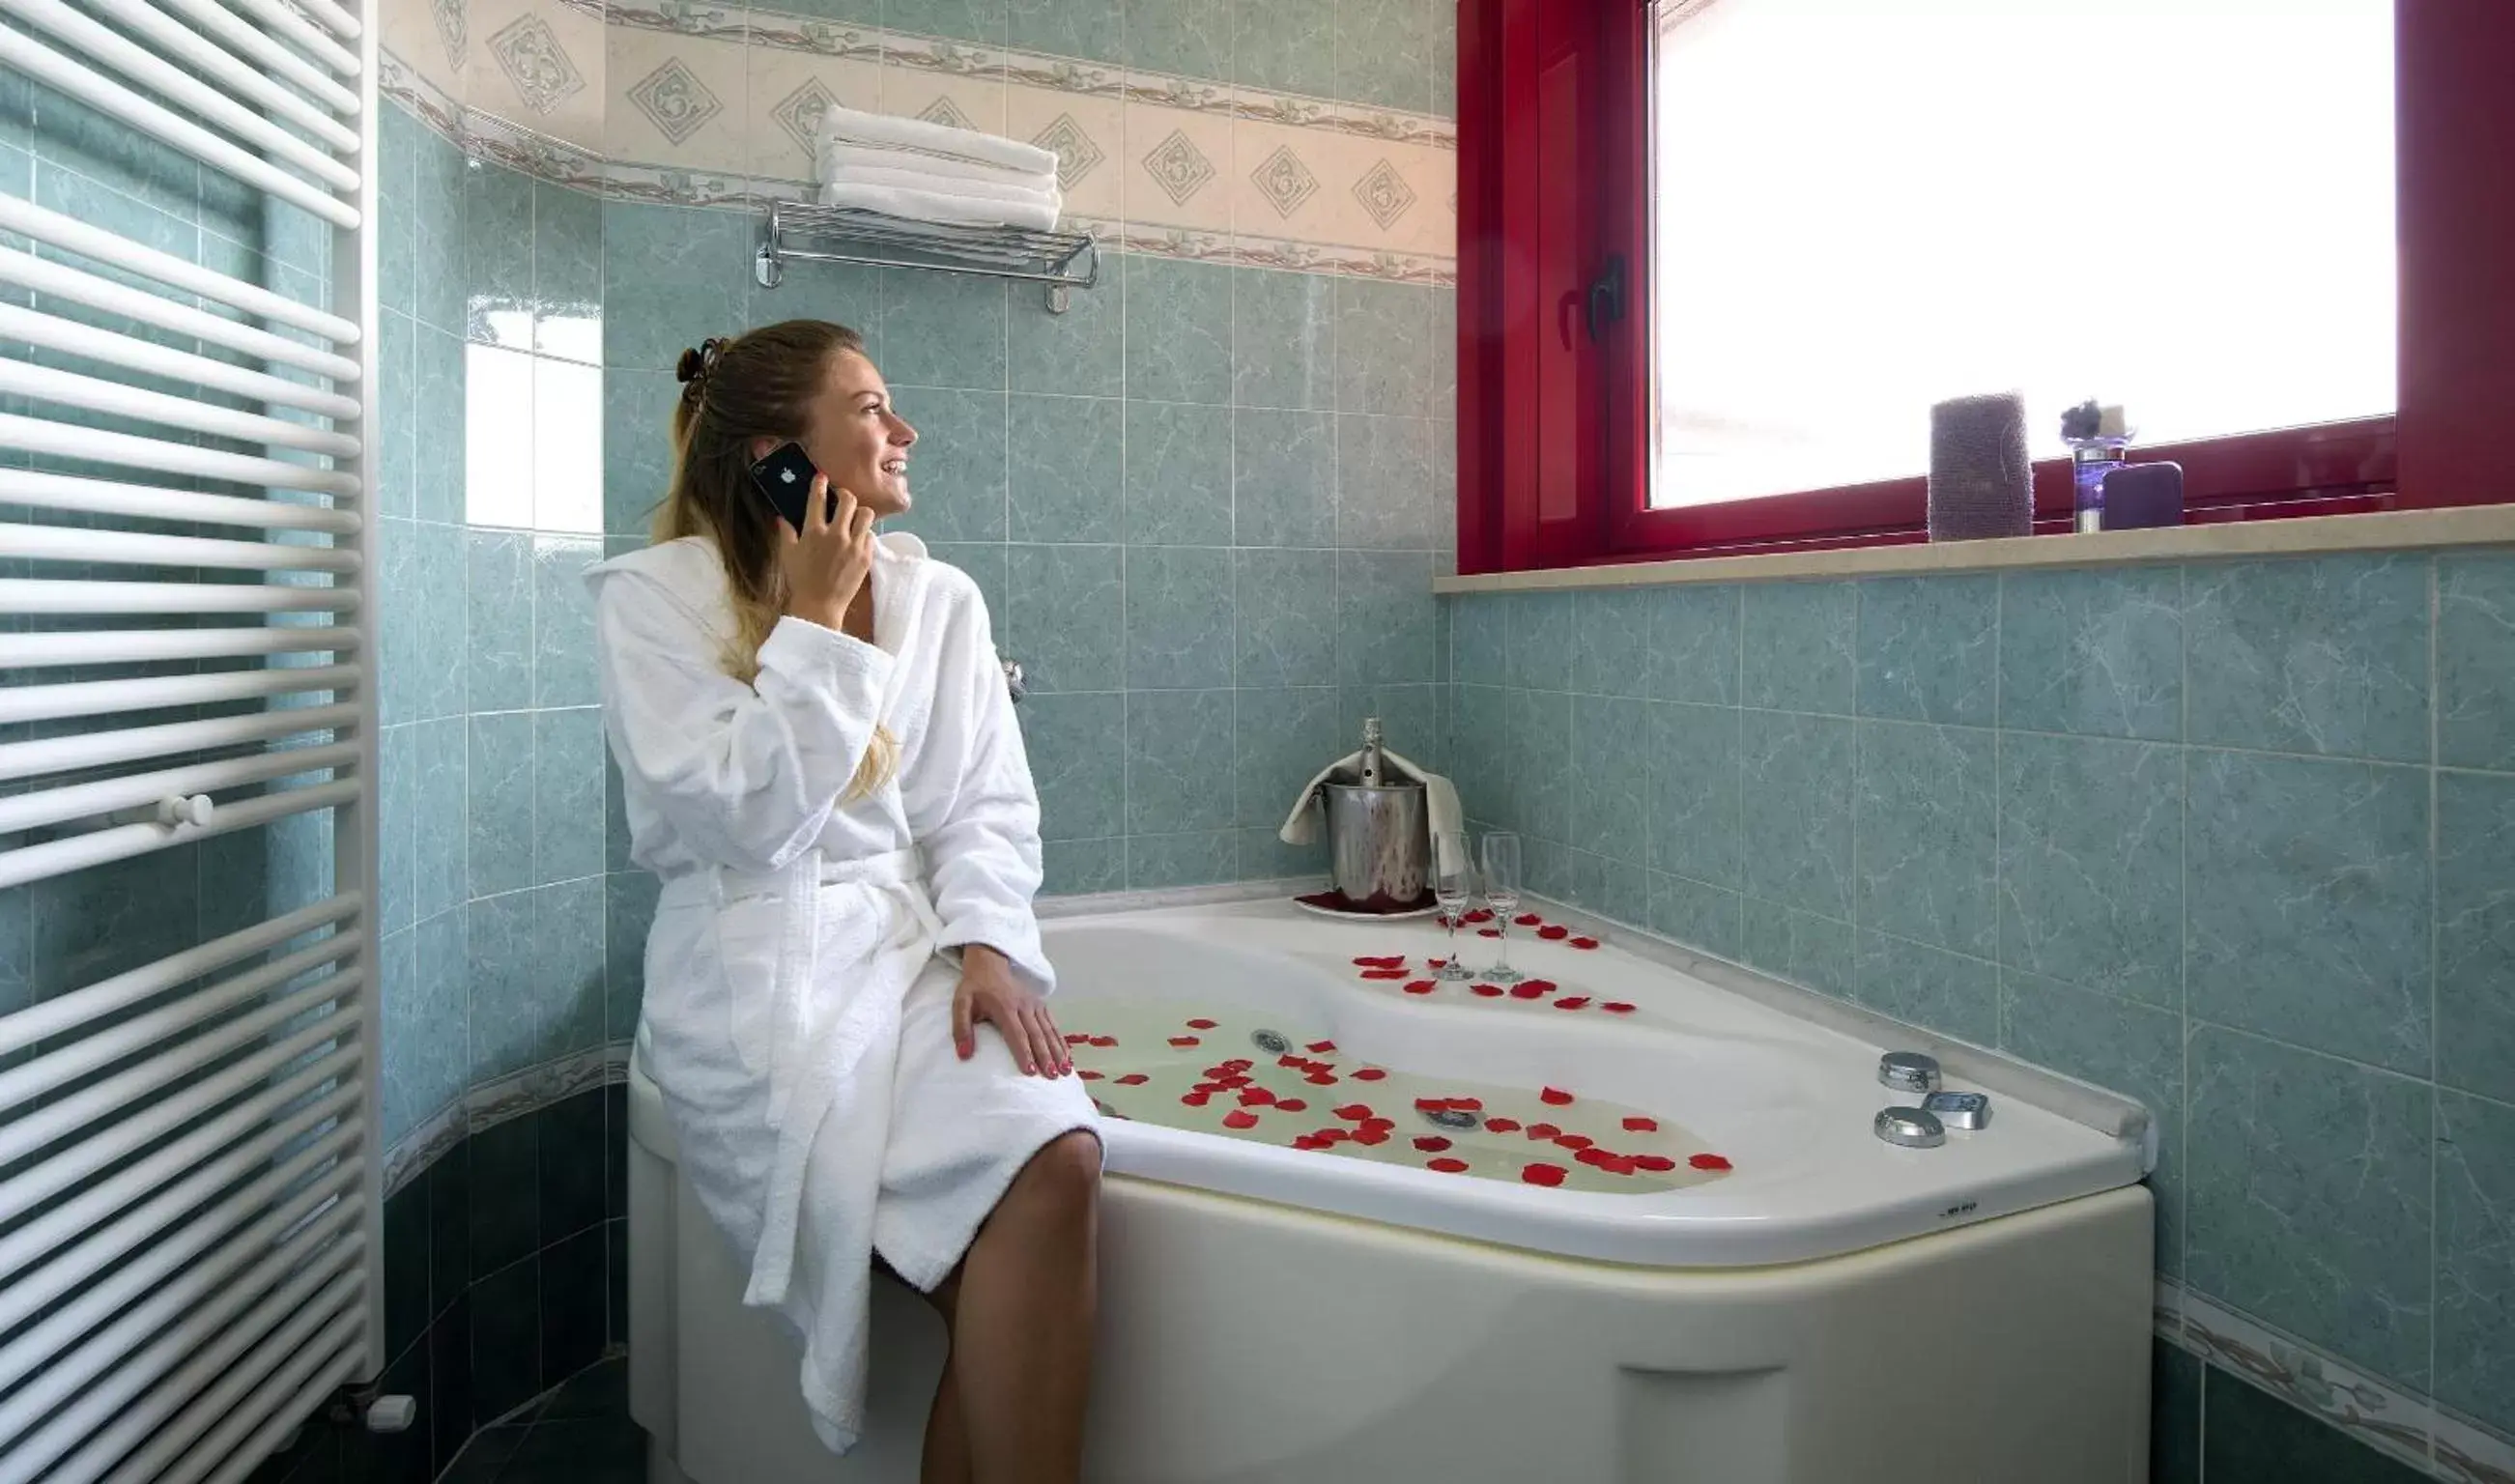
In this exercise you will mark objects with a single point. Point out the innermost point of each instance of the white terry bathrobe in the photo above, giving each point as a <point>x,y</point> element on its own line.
<point>806,1057</point>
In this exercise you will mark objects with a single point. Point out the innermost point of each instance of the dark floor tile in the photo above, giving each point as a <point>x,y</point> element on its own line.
<point>599,1390</point>
<point>314,1456</point>
<point>615,1149</point>
<point>506,1341</point>
<point>449,1409</point>
<point>574,1314</point>
<point>405,1264</point>
<point>449,1228</point>
<point>487,1455</point>
<point>615,1263</point>
<point>571,1165</point>
<point>2252,1437</point>
<point>2174,1415</point>
<point>394,1457</point>
<point>506,1212</point>
<point>580,1451</point>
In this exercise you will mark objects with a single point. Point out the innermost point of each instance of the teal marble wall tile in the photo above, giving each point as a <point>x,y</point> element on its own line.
<point>1384,54</point>
<point>2475,1281</point>
<point>503,1013</point>
<point>1284,478</point>
<point>1384,348</point>
<point>565,664</point>
<point>567,794</point>
<point>672,276</point>
<point>1548,871</point>
<point>568,949</point>
<point>943,330</point>
<point>849,294</point>
<point>2131,1048</point>
<point>2475,933</point>
<point>2091,863</point>
<point>1696,915</point>
<point>1279,46</point>
<point>498,257</point>
<point>1285,736</point>
<point>1445,323</point>
<point>438,171</point>
<point>1930,648</point>
<point>95,924</point>
<point>1929,987</point>
<point>1694,650</point>
<point>1383,482</point>
<point>397,166</point>
<point>1801,947</point>
<point>1415,719</point>
<point>1694,792</point>
<point>1082,867</point>
<point>2310,1197</point>
<point>1179,480</point>
<point>2324,654</point>
<point>396,415</point>
<point>442,822</point>
<point>443,607</point>
<point>1081,352</point>
<point>1611,778</point>
<point>2251,1434</point>
<point>1794,788</point>
<point>1536,729</point>
<point>72,139</point>
<point>1928,835</point>
<point>1066,461</point>
<point>396,827</point>
<point>443,1060</point>
<point>1093,29</point>
<point>499,789</point>
<point>2174,1417</point>
<point>957,473</point>
<point>1478,638</point>
<point>1285,603</point>
<point>636,446</point>
<point>438,473</point>
<point>1178,331</point>
<point>1065,616</point>
<point>1387,628</point>
<point>499,582</point>
<point>1797,646</point>
<point>1077,746</point>
<point>1191,38</point>
<point>1445,63</point>
<point>1258,855</point>
<point>1283,349</point>
<point>2475,646</point>
<point>628,913</point>
<point>1179,617</point>
<point>398,993</point>
<point>2307,904</point>
<point>1611,648</point>
<point>1618,891</point>
<point>568,273</point>
<point>984,565</point>
<point>2098,653</point>
<point>1195,859</point>
<point>979,20</point>
<point>1179,755</point>
<point>400,626</point>
<point>1480,754</point>
<point>1544,637</point>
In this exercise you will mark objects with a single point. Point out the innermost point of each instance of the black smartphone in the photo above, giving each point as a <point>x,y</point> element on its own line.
<point>785,478</point>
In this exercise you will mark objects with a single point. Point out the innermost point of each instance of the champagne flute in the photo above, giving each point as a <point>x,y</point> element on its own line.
<point>1454,885</point>
<point>1501,894</point>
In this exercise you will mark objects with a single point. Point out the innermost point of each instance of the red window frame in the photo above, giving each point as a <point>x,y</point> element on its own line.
<point>1555,351</point>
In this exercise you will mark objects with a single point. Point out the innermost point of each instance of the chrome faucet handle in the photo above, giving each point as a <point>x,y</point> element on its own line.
<point>1013,682</point>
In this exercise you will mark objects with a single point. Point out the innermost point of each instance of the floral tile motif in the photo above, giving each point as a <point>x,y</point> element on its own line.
<point>1284,181</point>
<point>1075,155</point>
<point>942,111</point>
<point>675,100</point>
<point>1385,194</point>
<point>1179,167</point>
<point>452,23</point>
<point>529,54</point>
<point>800,113</point>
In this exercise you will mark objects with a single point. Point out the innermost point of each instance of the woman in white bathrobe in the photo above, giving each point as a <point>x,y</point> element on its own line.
<point>846,998</point>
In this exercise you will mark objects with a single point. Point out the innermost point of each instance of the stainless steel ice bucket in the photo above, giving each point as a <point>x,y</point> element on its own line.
<point>1378,844</point>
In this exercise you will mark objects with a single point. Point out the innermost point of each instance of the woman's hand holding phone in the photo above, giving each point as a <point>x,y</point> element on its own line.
<point>827,561</point>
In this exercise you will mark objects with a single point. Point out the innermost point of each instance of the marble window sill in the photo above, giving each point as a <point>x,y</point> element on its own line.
<point>2394,530</point>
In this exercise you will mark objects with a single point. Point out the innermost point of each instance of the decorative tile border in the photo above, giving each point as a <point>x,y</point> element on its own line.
<point>494,1102</point>
<point>2394,1421</point>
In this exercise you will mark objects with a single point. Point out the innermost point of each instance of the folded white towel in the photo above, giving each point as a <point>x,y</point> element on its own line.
<point>936,206</point>
<point>1044,195</point>
<point>834,156</point>
<point>1441,811</point>
<point>916,136</point>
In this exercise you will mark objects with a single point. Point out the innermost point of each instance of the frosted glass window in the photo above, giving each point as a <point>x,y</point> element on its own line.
<point>567,446</point>
<point>1865,206</point>
<point>498,436</point>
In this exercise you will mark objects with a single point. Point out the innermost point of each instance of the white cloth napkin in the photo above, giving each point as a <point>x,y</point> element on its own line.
<point>834,156</point>
<point>1441,810</point>
<point>916,136</point>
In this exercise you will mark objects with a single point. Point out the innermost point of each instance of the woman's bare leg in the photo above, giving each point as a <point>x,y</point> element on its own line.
<point>1021,1331</point>
<point>946,1456</point>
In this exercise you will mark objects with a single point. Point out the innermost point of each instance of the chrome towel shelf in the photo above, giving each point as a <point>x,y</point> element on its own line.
<point>1063,261</point>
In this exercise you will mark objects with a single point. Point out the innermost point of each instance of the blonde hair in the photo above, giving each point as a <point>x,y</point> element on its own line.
<point>734,393</point>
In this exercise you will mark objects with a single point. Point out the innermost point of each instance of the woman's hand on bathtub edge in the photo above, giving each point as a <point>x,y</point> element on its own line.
<point>989,992</point>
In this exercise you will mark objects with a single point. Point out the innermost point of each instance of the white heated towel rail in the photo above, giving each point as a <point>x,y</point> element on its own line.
<point>191,1207</point>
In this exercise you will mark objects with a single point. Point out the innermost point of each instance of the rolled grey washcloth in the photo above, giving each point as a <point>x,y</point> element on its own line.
<point>1982,483</point>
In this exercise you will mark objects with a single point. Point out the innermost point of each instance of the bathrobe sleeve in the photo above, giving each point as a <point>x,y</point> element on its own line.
<point>970,802</point>
<point>746,774</point>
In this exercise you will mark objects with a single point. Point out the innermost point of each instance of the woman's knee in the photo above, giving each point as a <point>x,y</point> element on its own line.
<point>1066,1172</point>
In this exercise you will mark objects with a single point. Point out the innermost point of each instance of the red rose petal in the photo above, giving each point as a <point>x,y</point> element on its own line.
<point>1391,960</point>
<point>1185,1041</point>
<point>1543,1130</point>
<point>1431,1104</point>
<point>1239,1118</point>
<point>1307,1142</point>
<point>1622,1164</point>
<point>1641,1125</point>
<point>1543,1174</point>
<point>1372,1137</point>
<point>1709,1162</point>
<point>1200,1024</point>
<point>1256,1097</point>
<point>1338,1135</point>
<point>1585,942</point>
<point>1134,1080</point>
<point>1238,1064</point>
<point>1596,1158</point>
<point>1528,990</point>
<point>1078,1038</point>
<point>1574,1140</point>
<point>1419,986</point>
<point>1501,1126</point>
<point>1431,1143</point>
<point>1543,986</point>
<point>1554,1097</point>
<point>1383,973</point>
<point>1447,1166</point>
<point>1209,1088</point>
<point>1354,1112</point>
<point>1436,962</point>
<point>1468,1104</point>
<point>1488,991</point>
<point>1104,1042</point>
<point>1370,1074</point>
<point>1088,1075</point>
<point>1195,1100</point>
<point>1323,1046</point>
<point>1292,1104</point>
<point>1287,1059</point>
<point>1617,1008</point>
<point>1528,919</point>
<point>1656,1164</point>
<point>1553,931</point>
<point>1571,1002</point>
<point>1378,1125</point>
<point>1320,1078</point>
<point>1480,915</point>
<point>1489,933</point>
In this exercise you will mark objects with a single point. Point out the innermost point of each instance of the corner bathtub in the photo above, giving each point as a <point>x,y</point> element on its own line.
<point>1827,1307</point>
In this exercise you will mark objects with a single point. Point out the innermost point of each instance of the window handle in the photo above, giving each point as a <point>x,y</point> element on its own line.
<point>1606,297</point>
